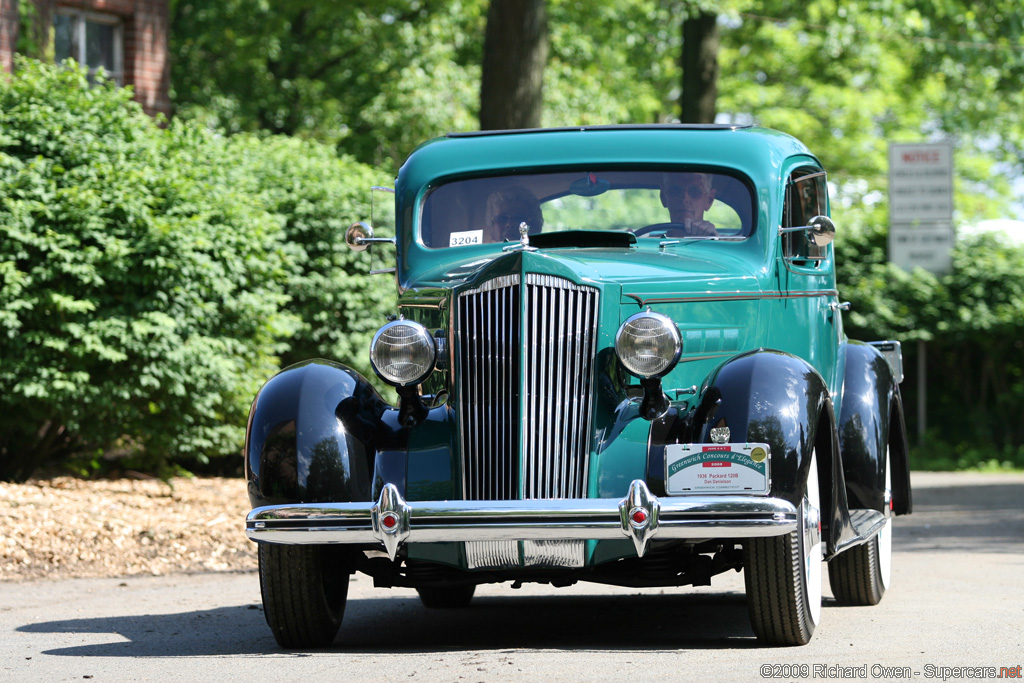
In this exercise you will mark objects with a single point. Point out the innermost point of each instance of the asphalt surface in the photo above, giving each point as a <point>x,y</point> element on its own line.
<point>954,611</point>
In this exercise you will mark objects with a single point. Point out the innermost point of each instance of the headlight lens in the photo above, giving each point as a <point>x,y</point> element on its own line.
<point>403,353</point>
<point>648,344</point>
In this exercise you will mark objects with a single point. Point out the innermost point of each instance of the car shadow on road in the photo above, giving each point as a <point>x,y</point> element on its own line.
<point>640,622</point>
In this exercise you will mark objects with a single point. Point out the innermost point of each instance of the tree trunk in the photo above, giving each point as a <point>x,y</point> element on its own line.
<point>700,68</point>
<point>515,52</point>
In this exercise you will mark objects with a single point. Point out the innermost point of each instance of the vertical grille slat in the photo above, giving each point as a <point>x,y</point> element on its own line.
<point>526,352</point>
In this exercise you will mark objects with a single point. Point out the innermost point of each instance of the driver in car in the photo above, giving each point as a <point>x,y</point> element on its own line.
<point>506,209</point>
<point>687,196</point>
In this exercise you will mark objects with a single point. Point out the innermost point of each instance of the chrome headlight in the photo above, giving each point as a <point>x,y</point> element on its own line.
<point>403,353</point>
<point>648,344</point>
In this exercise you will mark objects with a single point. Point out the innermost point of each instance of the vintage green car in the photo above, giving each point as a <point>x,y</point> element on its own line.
<point>619,357</point>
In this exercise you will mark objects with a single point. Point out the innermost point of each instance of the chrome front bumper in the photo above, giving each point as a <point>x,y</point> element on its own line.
<point>639,516</point>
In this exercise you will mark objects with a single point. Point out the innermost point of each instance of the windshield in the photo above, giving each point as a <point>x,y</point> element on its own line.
<point>654,204</point>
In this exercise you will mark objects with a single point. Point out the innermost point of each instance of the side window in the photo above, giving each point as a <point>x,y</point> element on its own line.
<point>806,197</point>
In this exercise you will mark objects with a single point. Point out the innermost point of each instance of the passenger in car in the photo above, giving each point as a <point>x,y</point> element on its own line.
<point>506,209</point>
<point>687,196</point>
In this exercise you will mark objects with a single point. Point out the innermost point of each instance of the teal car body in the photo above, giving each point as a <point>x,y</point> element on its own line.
<point>538,282</point>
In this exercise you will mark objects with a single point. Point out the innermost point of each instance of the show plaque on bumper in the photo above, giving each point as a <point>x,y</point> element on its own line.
<point>639,516</point>
<point>728,468</point>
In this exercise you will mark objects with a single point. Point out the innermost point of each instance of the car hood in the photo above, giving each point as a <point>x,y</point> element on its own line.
<point>641,273</point>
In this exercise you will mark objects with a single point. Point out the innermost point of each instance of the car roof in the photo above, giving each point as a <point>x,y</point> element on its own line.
<point>621,126</point>
<point>756,152</point>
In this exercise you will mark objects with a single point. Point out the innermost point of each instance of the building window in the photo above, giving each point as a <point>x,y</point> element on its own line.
<point>91,39</point>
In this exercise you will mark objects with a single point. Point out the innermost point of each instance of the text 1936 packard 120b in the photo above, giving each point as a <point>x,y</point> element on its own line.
<point>619,357</point>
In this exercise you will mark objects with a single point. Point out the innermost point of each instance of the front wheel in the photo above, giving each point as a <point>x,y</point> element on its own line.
<point>783,575</point>
<point>860,576</point>
<point>304,589</point>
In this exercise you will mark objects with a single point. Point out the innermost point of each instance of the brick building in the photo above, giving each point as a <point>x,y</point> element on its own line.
<point>128,38</point>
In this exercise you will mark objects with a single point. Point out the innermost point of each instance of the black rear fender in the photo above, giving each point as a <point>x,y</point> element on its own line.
<point>870,420</point>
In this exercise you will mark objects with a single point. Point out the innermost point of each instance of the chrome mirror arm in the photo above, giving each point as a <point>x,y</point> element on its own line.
<point>822,230</point>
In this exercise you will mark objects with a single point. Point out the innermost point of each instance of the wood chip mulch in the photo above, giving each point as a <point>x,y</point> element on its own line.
<point>65,527</point>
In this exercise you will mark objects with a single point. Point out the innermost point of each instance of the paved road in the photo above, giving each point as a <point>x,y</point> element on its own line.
<point>957,600</point>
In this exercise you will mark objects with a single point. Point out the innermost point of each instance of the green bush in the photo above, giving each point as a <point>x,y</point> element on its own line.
<point>317,196</point>
<point>970,321</point>
<point>146,274</point>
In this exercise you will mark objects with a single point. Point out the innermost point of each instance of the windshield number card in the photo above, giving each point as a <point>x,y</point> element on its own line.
<point>717,468</point>
<point>462,239</point>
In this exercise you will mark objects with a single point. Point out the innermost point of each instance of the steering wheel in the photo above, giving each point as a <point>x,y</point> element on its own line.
<point>667,227</point>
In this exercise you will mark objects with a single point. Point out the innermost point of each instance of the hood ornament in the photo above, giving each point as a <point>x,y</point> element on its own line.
<point>524,240</point>
<point>524,234</point>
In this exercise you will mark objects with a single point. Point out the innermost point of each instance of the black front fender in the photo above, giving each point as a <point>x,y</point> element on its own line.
<point>314,430</point>
<point>779,399</point>
<point>771,397</point>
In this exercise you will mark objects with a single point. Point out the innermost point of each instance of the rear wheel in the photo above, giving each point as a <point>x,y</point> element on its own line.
<point>783,575</point>
<point>304,590</point>
<point>860,575</point>
<point>445,597</point>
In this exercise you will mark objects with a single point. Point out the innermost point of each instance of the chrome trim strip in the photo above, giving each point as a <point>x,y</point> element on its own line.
<point>437,306</point>
<point>495,283</point>
<point>735,296</point>
<point>683,358</point>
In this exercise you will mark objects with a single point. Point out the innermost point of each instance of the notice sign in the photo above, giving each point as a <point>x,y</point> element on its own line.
<point>921,206</point>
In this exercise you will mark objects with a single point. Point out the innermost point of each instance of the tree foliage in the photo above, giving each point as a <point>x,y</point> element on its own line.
<point>374,78</point>
<point>153,277</point>
<point>316,195</point>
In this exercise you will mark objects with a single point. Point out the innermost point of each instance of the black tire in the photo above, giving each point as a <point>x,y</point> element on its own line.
<point>860,575</point>
<point>304,589</point>
<point>855,576</point>
<point>446,597</point>
<point>782,575</point>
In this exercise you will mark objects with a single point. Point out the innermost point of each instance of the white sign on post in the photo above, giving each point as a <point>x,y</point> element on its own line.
<point>921,206</point>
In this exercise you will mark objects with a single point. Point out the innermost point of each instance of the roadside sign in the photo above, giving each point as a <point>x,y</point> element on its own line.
<point>921,205</point>
<point>927,246</point>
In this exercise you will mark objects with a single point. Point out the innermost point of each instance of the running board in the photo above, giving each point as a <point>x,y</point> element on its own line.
<point>866,524</point>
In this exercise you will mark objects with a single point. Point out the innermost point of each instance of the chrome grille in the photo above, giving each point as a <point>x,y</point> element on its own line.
<point>488,332</point>
<point>535,373</point>
<point>560,329</point>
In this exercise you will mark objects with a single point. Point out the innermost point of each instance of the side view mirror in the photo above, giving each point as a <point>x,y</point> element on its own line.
<point>821,230</point>
<point>359,236</point>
